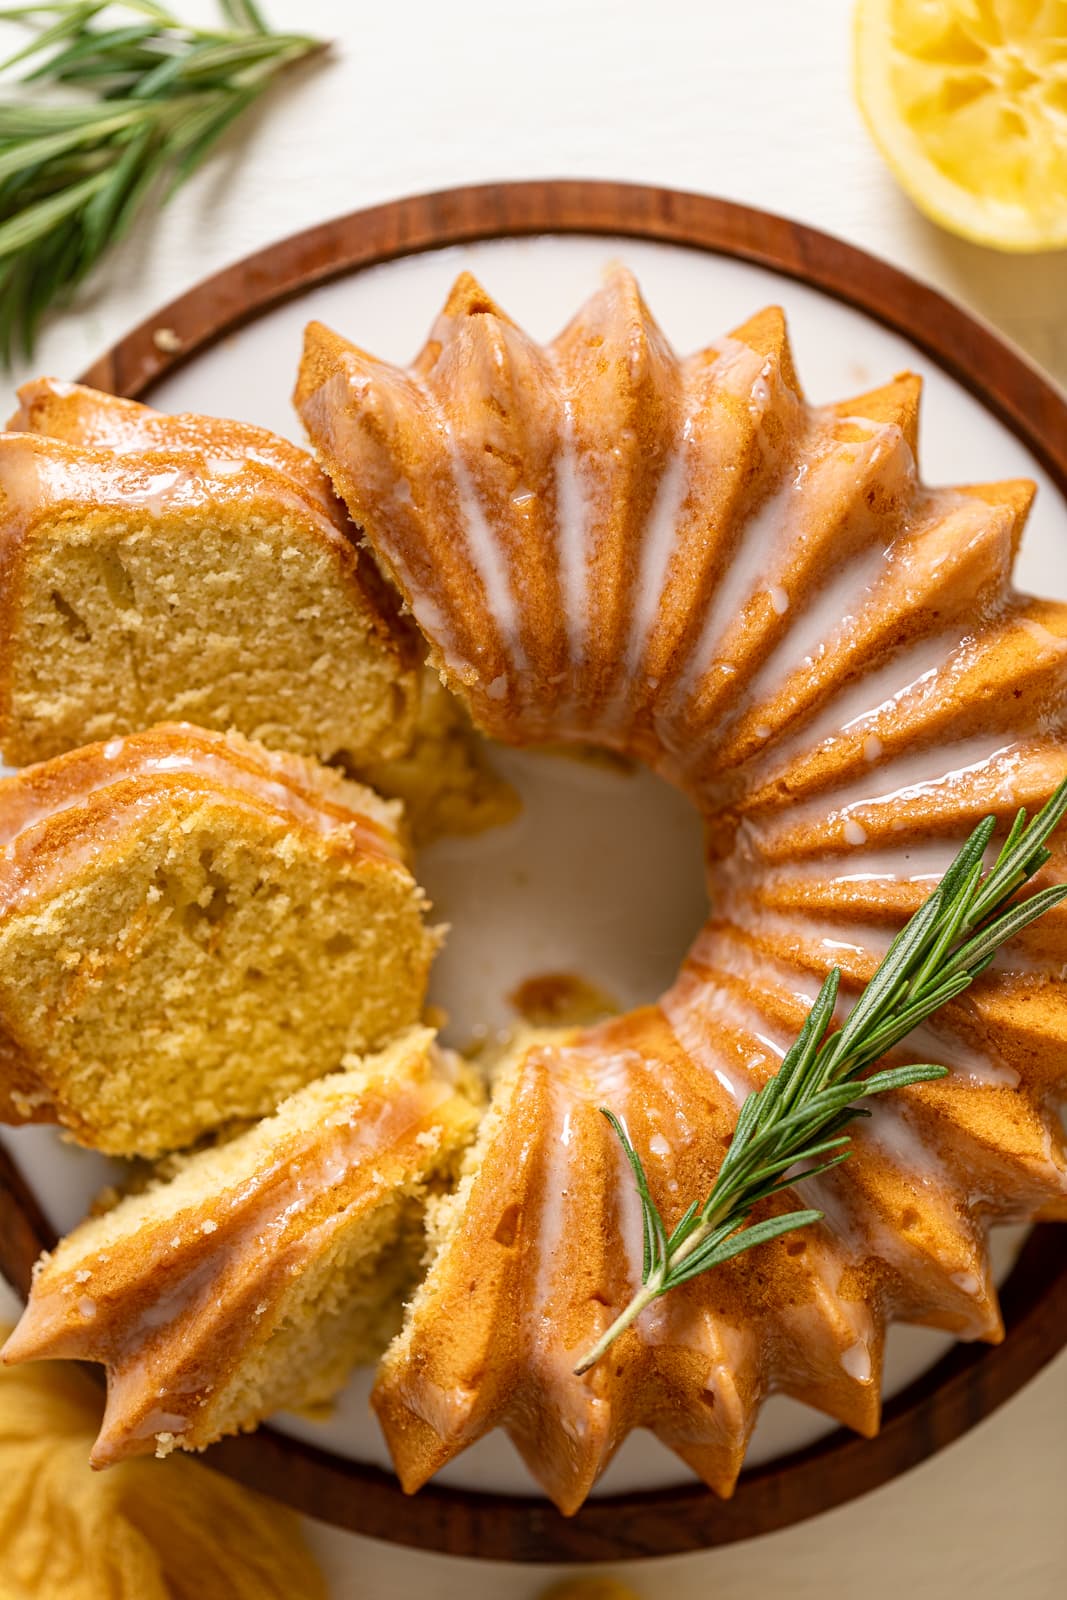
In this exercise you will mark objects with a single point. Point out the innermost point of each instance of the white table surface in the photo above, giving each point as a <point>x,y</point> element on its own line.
<point>749,99</point>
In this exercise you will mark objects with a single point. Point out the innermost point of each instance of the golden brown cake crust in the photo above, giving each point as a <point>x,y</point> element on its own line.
<point>683,560</point>
<point>89,418</point>
<point>59,812</point>
<point>89,469</point>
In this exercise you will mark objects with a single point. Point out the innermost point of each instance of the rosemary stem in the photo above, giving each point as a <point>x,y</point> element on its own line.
<point>644,1297</point>
<point>651,1290</point>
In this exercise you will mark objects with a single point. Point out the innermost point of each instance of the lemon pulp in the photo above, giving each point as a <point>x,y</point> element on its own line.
<point>967,100</point>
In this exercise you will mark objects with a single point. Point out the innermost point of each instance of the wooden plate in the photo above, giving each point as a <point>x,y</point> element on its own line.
<point>970,1381</point>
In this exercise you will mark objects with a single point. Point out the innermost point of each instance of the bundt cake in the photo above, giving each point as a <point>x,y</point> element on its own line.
<point>191,927</point>
<point>158,568</point>
<point>684,561</point>
<point>257,1276</point>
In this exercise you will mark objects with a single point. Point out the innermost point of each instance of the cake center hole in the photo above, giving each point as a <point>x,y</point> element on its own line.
<point>587,902</point>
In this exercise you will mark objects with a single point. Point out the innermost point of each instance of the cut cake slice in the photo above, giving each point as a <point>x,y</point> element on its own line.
<point>265,1268</point>
<point>157,568</point>
<point>192,927</point>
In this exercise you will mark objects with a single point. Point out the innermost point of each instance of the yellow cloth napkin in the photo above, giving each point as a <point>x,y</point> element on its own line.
<point>594,1588</point>
<point>144,1530</point>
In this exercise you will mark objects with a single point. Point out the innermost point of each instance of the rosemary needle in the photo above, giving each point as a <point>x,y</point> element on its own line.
<point>797,1119</point>
<point>137,100</point>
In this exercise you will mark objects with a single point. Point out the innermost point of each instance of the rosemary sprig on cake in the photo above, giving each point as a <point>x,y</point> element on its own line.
<point>794,1126</point>
<point>138,100</point>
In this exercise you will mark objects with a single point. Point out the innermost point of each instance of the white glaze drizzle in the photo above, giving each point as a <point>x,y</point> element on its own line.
<point>984,1068</point>
<point>914,775</point>
<point>749,571</point>
<point>658,547</point>
<point>274,1196</point>
<point>828,616</point>
<point>920,862</point>
<point>882,693</point>
<point>331,817</point>
<point>907,1146</point>
<point>487,555</point>
<point>768,543</point>
<point>573,516</point>
<point>736,370</point>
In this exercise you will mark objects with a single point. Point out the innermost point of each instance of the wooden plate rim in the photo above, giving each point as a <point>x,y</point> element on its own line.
<point>971,1380</point>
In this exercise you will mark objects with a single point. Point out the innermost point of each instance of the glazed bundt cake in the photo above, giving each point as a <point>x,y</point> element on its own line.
<point>259,1274</point>
<point>186,568</point>
<point>191,927</point>
<point>684,561</point>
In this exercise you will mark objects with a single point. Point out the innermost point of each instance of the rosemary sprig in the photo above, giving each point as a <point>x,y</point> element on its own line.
<point>793,1127</point>
<point>138,100</point>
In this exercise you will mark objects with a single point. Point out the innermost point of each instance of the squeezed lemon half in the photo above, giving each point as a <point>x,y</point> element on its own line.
<point>967,100</point>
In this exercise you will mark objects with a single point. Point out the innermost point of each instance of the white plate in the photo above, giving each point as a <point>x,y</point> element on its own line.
<point>602,873</point>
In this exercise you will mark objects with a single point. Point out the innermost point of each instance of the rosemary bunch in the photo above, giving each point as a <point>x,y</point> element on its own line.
<point>137,100</point>
<point>793,1127</point>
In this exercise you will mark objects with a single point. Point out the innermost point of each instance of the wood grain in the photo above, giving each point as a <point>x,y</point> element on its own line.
<point>969,1382</point>
<point>1007,384</point>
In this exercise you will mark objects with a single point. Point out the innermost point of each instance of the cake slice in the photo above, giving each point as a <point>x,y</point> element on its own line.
<point>257,1276</point>
<point>191,927</point>
<point>160,568</point>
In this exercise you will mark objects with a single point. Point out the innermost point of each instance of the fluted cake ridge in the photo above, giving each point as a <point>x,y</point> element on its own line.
<point>685,561</point>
